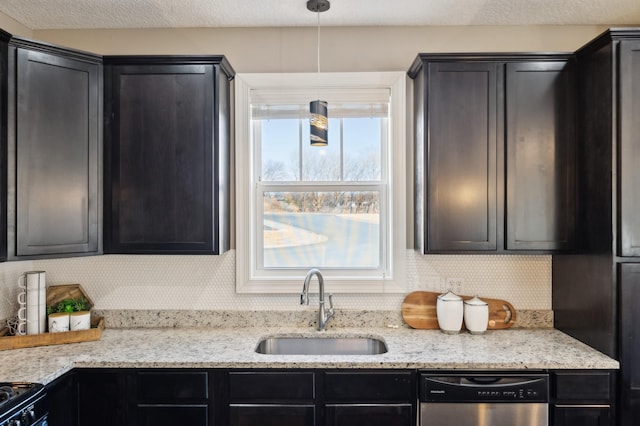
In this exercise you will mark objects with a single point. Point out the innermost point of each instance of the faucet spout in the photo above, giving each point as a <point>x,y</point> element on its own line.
<point>323,315</point>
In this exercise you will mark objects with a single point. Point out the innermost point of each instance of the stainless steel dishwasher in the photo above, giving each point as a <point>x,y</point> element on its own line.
<point>484,399</point>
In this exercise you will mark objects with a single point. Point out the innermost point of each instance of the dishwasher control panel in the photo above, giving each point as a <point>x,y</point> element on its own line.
<point>479,387</point>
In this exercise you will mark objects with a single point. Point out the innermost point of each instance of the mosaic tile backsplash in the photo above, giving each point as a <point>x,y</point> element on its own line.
<point>208,282</point>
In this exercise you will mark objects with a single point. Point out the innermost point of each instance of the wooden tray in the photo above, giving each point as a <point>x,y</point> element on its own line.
<point>45,339</point>
<point>419,311</point>
<point>55,294</point>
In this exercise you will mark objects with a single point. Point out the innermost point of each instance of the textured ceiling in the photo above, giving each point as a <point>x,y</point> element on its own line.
<point>74,14</point>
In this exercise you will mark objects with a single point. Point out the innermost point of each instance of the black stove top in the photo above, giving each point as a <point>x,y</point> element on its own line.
<point>18,398</point>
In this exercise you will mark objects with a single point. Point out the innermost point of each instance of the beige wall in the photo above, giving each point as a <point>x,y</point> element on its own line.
<point>342,48</point>
<point>12,26</point>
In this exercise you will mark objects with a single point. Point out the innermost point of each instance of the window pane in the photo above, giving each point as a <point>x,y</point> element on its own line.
<point>280,149</point>
<point>362,148</point>
<point>322,163</point>
<point>321,229</point>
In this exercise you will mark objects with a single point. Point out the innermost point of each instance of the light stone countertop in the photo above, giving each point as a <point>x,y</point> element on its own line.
<point>234,348</point>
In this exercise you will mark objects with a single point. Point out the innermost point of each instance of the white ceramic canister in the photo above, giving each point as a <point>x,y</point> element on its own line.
<point>79,320</point>
<point>449,310</point>
<point>476,315</point>
<point>58,322</point>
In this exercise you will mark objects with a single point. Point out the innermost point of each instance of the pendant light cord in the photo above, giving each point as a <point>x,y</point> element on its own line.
<point>318,41</point>
<point>318,58</point>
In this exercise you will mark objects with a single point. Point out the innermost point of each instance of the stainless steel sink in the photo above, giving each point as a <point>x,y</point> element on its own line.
<point>282,345</point>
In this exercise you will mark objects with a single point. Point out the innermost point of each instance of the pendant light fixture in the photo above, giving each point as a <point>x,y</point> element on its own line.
<point>319,118</point>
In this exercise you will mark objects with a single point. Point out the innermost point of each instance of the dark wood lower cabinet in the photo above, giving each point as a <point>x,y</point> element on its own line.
<point>170,397</point>
<point>629,343</point>
<point>272,398</point>
<point>101,398</point>
<point>294,397</point>
<point>381,398</point>
<point>582,398</point>
<point>194,397</point>
<point>62,404</point>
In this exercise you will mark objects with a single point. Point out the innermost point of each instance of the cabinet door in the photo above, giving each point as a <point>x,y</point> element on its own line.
<point>629,137</point>
<point>161,153</point>
<point>102,398</point>
<point>629,338</point>
<point>61,401</point>
<point>4,80</point>
<point>540,155</point>
<point>58,138</point>
<point>573,415</point>
<point>462,139</point>
<point>371,414</point>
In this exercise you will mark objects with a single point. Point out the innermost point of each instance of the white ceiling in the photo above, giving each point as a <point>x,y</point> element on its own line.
<point>75,14</point>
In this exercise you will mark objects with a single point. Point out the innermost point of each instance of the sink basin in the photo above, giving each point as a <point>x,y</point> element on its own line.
<point>321,346</point>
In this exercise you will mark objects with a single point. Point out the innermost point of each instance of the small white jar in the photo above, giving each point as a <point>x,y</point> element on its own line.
<point>58,322</point>
<point>80,320</point>
<point>449,310</point>
<point>476,315</point>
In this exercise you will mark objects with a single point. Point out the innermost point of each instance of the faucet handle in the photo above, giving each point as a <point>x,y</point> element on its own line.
<point>330,303</point>
<point>302,300</point>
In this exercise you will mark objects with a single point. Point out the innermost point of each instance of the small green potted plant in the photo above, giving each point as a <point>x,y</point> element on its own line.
<point>69,305</point>
<point>78,311</point>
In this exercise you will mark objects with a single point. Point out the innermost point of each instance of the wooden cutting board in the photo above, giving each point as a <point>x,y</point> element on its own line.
<point>419,311</point>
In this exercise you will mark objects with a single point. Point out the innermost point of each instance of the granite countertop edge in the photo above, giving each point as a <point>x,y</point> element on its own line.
<point>200,347</point>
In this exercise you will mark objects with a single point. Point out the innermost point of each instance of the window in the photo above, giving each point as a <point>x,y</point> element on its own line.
<point>339,208</point>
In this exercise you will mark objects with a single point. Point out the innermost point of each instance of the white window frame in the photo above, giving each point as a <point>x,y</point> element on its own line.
<point>251,280</point>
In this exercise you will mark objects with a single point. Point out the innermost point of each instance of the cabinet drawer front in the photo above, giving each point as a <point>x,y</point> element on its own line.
<point>582,386</point>
<point>172,386</point>
<point>369,386</point>
<point>268,386</point>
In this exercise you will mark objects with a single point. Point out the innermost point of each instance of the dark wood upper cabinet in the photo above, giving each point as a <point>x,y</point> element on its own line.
<point>540,155</point>
<point>4,68</point>
<point>167,141</point>
<point>629,127</point>
<point>55,141</point>
<point>462,111</point>
<point>494,152</point>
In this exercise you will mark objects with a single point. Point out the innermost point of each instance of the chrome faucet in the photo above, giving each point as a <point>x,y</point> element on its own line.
<point>304,298</point>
